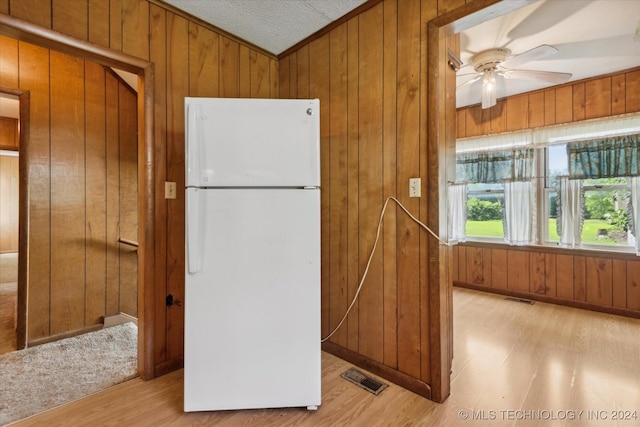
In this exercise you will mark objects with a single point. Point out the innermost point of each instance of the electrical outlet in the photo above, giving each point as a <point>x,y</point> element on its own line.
<point>414,187</point>
<point>169,190</point>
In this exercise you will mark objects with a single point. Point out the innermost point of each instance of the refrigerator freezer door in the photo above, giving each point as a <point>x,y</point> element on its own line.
<point>252,142</point>
<point>252,310</point>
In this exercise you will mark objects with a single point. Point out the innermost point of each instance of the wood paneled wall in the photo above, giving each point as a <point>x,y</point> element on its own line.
<point>9,134</point>
<point>83,189</point>
<point>370,74</point>
<point>586,99</point>
<point>608,282</point>
<point>8,186</point>
<point>8,204</point>
<point>190,59</point>
<point>600,281</point>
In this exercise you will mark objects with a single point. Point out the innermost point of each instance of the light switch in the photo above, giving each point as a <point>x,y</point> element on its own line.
<point>414,187</point>
<point>169,190</point>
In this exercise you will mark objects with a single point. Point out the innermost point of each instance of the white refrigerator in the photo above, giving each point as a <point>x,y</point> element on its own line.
<point>252,277</point>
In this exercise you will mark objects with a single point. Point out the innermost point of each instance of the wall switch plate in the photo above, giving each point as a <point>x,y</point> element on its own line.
<point>169,190</point>
<point>414,187</point>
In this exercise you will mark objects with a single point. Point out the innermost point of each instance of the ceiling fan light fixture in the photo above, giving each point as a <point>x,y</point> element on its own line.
<point>489,89</point>
<point>489,59</point>
<point>488,62</point>
<point>497,61</point>
<point>490,79</point>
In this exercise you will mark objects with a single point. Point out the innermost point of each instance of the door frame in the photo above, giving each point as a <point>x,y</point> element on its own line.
<point>23,217</point>
<point>47,38</point>
<point>441,137</point>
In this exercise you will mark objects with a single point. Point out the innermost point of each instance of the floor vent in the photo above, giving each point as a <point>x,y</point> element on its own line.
<point>523,301</point>
<point>364,381</point>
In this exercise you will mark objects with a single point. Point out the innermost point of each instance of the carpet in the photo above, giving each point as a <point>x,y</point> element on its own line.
<point>42,377</point>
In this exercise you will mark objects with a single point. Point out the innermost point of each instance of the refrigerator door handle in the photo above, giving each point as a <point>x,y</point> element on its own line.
<point>195,242</point>
<point>193,154</point>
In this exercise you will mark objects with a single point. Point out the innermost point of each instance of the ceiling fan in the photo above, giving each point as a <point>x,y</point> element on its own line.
<point>498,61</point>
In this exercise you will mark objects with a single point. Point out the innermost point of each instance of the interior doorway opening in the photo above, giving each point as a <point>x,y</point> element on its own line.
<point>79,183</point>
<point>72,57</point>
<point>82,50</point>
<point>9,223</point>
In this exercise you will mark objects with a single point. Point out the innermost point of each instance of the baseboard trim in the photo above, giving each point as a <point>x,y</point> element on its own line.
<point>403,380</point>
<point>168,366</point>
<point>119,319</point>
<point>551,300</point>
<point>69,334</point>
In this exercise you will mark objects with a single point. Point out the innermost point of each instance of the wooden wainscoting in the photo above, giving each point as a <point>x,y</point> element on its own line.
<point>601,281</point>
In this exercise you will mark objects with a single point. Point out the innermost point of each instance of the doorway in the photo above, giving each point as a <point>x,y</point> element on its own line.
<point>42,40</point>
<point>81,212</point>
<point>9,201</point>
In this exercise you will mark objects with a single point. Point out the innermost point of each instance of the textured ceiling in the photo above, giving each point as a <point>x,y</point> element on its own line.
<point>273,25</point>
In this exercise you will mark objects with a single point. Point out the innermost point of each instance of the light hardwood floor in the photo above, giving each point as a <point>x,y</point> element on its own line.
<point>512,361</point>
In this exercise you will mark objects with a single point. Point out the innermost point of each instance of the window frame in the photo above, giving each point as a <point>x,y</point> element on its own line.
<point>606,187</point>
<point>543,192</point>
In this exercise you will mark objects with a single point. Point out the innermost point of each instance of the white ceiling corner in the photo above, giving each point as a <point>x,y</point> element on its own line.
<point>273,25</point>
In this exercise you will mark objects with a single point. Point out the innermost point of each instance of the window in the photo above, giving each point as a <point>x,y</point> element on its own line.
<point>606,212</point>
<point>534,188</point>
<point>485,206</point>
<point>606,204</point>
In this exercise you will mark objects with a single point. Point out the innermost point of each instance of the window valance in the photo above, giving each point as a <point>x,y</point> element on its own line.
<point>604,157</point>
<point>495,166</point>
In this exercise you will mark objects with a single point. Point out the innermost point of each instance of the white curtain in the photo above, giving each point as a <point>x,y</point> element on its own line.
<point>570,216</point>
<point>519,213</point>
<point>457,212</point>
<point>635,200</point>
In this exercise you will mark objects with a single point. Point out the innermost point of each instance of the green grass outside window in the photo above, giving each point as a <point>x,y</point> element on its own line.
<point>590,227</point>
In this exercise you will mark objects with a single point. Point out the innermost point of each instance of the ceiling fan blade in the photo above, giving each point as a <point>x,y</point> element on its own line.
<point>546,15</point>
<point>534,54</point>
<point>468,82</point>
<point>542,76</point>
<point>489,90</point>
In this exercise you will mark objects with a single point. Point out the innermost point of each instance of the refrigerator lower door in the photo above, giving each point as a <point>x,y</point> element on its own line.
<point>252,308</point>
